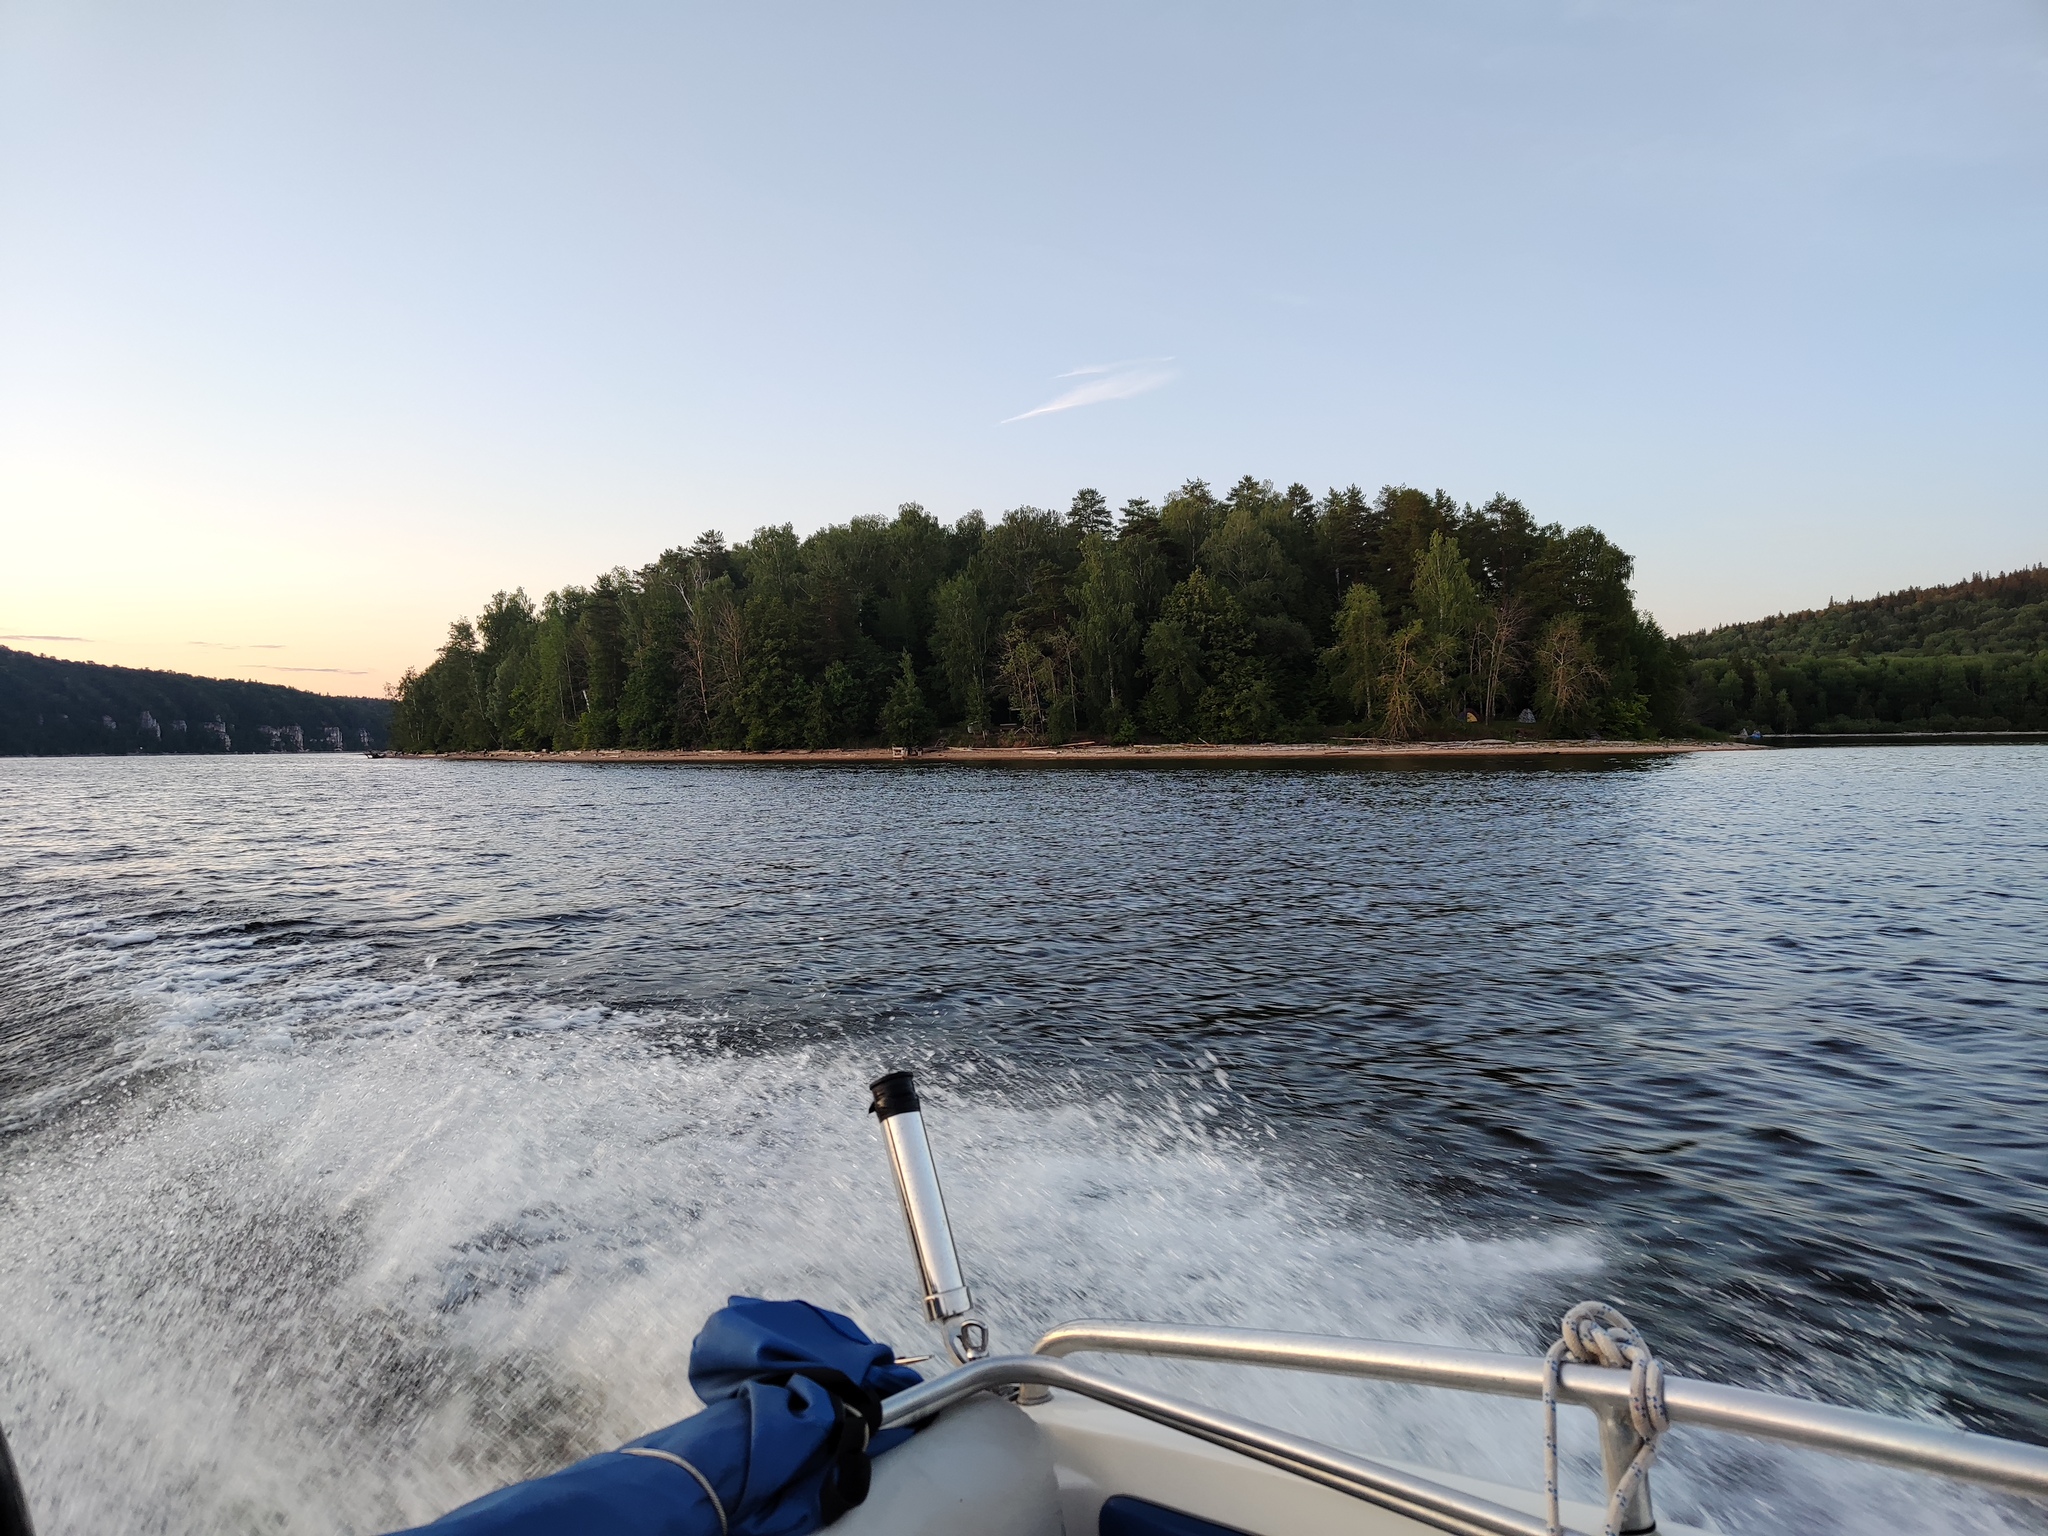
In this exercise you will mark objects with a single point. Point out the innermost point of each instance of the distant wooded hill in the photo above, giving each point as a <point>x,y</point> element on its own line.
<point>1968,657</point>
<point>51,708</point>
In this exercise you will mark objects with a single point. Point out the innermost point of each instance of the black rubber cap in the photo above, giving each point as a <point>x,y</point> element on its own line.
<point>895,1094</point>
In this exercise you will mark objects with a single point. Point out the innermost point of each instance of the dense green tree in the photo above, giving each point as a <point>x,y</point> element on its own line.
<point>460,717</point>
<point>1234,700</point>
<point>1399,526</point>
<point>1027,677</point>
<point>600,644</point>
<point>1089,513</point>
<point>1446,604</point>
<point>839,712</point>
<point>1106,597</point>
<point>647,704</point>
<point>1254,614</point>
<point>906,718</point>
<point>1359,655</point>
<point>1184,521</point>
<point>963,637</point>
<point>774,701</point>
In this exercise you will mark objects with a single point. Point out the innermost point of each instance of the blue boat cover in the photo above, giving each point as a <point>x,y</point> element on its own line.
<point>793,1398</point>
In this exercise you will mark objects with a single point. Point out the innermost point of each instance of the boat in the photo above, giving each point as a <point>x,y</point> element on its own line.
<point>1034,1444</point>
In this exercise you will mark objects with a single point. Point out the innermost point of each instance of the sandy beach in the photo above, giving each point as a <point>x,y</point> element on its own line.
<point>1098,754</point>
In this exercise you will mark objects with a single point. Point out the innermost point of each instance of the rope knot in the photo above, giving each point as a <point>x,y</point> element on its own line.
<point>1599,1333</point>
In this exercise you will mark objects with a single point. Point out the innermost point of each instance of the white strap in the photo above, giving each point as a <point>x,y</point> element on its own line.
<point>710,1492</point>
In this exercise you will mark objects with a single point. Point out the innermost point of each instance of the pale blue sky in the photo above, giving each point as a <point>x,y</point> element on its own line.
<point>320,322</point>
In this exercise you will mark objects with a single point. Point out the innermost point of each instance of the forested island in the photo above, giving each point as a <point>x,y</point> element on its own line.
<point>1258,615</point>
<point>1967,657</point>
<point>53,708</point>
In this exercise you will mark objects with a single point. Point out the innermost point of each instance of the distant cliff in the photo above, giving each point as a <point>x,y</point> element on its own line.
<point>52,708</point>
<point>1967,657</point>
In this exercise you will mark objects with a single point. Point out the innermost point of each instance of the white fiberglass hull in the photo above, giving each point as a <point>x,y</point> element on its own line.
<point>989,1468</point>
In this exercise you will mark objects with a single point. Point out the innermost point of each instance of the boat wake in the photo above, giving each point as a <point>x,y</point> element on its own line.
<point>322,1240</point>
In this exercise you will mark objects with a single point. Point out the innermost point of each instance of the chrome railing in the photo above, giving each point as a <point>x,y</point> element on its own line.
<point>1430,1503</point>
<point>2009,1464</point>
<point>2006,1464</point>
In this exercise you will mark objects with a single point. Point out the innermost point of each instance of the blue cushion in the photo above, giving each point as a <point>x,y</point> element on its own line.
<point>1126,1516</point>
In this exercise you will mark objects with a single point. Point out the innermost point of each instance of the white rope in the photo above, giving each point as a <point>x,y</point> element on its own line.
<point>711,1493</point>
<point>1595,1333</point>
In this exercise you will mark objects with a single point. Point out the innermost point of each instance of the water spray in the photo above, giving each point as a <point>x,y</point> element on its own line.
<point>947,1300</point>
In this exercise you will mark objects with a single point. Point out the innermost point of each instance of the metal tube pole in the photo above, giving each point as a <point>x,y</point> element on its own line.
<point>947,1299</point>
<point>1618,1445</point>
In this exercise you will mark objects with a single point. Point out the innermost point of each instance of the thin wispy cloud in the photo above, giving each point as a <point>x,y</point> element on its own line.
<point>73,639</point>
<point>1105,381</point>
<point>341,671</point>
<point>223,645</point>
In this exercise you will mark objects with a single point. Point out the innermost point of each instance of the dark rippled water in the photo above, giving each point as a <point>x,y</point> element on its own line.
<point>375,1130</point>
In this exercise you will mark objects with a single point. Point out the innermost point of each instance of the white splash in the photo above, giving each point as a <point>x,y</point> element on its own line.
<point>352,1246</point>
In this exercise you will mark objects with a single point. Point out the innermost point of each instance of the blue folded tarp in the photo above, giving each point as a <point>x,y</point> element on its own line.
<point>793,1399</point>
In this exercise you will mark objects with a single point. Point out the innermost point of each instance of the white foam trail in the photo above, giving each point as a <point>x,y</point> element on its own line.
<point>357,1246</point>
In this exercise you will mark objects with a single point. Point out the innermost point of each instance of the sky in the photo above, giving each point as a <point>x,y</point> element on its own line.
<point>319,323</point>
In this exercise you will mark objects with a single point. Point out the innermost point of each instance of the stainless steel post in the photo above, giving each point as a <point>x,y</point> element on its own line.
<point>947,1299</point>
<point>1618,1444</point>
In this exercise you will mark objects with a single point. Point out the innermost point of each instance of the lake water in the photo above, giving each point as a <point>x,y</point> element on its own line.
<point>373,1132</point>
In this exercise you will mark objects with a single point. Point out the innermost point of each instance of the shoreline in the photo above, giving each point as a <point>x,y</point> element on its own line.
<point>1091,753</point>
